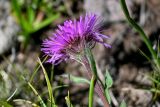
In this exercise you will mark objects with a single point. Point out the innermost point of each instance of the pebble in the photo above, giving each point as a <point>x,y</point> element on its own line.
<point>8,27</point>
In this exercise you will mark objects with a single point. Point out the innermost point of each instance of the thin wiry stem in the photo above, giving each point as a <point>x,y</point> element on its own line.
<point>91,91</point>
<point>139,30</point>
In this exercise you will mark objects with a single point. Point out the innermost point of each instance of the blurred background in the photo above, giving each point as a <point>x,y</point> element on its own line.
<point>24,24</point>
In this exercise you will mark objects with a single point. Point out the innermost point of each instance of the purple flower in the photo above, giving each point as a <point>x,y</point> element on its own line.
<point>72,37</point>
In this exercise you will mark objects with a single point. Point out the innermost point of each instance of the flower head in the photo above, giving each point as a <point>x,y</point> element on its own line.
<point>72,37</point>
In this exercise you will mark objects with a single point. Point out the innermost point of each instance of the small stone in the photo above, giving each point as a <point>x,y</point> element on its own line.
<point>8,27</point>
<point>137,97</point>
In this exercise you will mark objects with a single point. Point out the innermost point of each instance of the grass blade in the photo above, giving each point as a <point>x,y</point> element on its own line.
<point>68,101</point>
<point>12,95</point>
<point>36,70</point>
<point>17,9</point>
<point>39,25</point>
<point>48,83</point>
<point>36,93</point>
<point>138,29</point>
<point>31,14</point>
<point>145,55</point>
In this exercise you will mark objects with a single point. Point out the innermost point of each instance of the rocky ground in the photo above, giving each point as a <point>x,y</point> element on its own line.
<point>124,61</point>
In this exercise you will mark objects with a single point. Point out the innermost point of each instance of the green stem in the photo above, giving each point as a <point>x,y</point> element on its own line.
<point>91,91</point>
<point>98,87</point>
<point>90,64</point>
<point>93,64</point>
<point>139,30</point>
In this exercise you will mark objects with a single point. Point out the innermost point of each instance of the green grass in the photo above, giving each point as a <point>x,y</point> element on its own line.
<point>32,16</point>
<point>155,61</point>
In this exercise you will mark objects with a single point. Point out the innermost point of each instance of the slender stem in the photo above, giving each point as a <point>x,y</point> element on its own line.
<point>139,30</point>
<point>98,87</point>
<point>92,63</point>
<point>91,91</point>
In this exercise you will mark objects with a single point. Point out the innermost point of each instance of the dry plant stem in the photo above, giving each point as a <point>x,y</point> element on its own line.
<point>98,87</point>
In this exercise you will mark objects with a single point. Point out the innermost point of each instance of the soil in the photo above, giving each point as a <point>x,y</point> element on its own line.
<point>127,66</point>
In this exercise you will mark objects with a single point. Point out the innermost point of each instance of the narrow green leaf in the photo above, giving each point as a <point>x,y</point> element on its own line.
<point>12,95</point>
<point>39,25</point>
<point>31,14</point>
<point>140,31</point>
<point>19,14</point>
<point>36,93</point>
<point>52,74</point>
<point>108,84</point>
<point>145,55</point>
<point>54,89</point>
<point>154,80</point>
<point>123,104</point>
<point>154,90</point>
<point>16,8</point>
<point>27,27</point>
<point>48,84</point>
<point>58,87</point>
<point>108,80</point>
<point>36,69</point>
<point>68,101</point>
<point>76,79</point>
